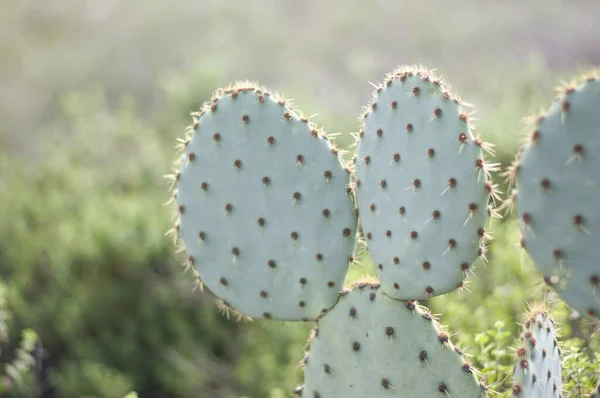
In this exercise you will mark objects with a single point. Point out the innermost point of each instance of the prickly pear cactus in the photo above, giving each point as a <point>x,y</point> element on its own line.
<point>558,195</point>
<point>264,208</point>
<point>422,186</point>
<point>370,345</point>
<point>537,373</point>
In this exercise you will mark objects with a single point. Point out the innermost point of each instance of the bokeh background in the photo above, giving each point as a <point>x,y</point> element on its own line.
<point>94,93</point>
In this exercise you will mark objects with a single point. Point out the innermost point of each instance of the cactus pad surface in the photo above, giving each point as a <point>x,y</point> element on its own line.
<point>265,213</point>
<point>558,195</point>
<point>537,373</point>
<point>370,345</point>
<point>422,185</point>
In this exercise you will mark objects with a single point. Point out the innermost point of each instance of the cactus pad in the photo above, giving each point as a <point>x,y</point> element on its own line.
<point>422,184</point>
<point>370,345</point>
<point>558,195</point>
<point>265,212</point>
<point>537,373</point>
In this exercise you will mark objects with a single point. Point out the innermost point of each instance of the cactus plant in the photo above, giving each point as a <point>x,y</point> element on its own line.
<point>422,186</point>
<point>537,373</point>
<point>558,195</point>
<point>265,213</point>
<point>371,345</point>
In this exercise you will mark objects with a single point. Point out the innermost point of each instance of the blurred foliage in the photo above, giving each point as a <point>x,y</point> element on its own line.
<point>93,95</point>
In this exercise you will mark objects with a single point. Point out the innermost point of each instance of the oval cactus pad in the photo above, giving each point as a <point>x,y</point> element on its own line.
<point>537,372</point>
<point>265,212</point>
<point>371,345</point>
<point>422,186</point>
<point>558,195</point>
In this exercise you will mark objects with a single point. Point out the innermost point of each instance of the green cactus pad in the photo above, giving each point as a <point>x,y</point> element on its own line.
<point>370,345</point>
<point>537,373</point>
<point>265,211</point>
<point>423,188</point>
<point>558,195</point>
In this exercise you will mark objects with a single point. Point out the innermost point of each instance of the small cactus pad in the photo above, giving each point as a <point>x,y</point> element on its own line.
<point>265,212</point>
<point>370,345</point>
<point>558,195</point>
<point>422,184</point>
<point>537,373</point>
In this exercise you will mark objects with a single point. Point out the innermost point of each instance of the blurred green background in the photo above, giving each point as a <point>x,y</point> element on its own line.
<point>94,93</point>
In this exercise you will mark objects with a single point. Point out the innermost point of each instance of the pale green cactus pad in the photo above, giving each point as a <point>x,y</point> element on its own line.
<point>537,373</point>
<point>422,186</point>
<point>558,195</point>
<point>370,345</point>
<point>265,209</point>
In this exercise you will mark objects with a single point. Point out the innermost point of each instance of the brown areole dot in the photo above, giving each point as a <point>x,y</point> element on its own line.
<point>263,294</point>
<point>271,263</point>
<point>202,235</point>
<point>442,388</point>
<point>191,156</point>
<point>245,118</point>
<point>396,260</point>
<point>414,234</point>
<point>595,280</point>
<point>181,209</point>
<point>565,106</point>
<point>325,213</point>
<point>396,157</point>
<point>294,235</point>
<point>436,214</point>
<point>417,183</point>
<point>388,233</point>
<point>402,210</point>
<point>389,331</point>
<point>545,184</point>
<point>237,164</point>
<point>558,254</point>
<point>437,112</point>
<point>296,196</point>
<point>464,266</point>
<point>266,180</point>
<point>330,284</point>
<point>302,281</point>
<point>346,232</point>
<point>578,149</point>
<point>367,159</point>
<point>299,159</point>
<point>266,315</point>
<point>396,285</point>
<point>355,346</point>
<point>416,90</point>
<point>217,137</point>
<point>287,116</point>
<point>213,107</point>
<point>319,257</point>
<point>372,207</point>
<point>423,355</point>
<point>379,133</point>
<point>228,207</point>
<point>235,251</point>
<point>409,127</point>
<point>385,383</point>
<point>578,220</point>
<point>431,152</point>
<point>369,236</point>
<point>204,186</point>
<point>372,296</point>
<point>426,265</point>
<point>223,281</point>
<point>429,290</point>
<point>352,312</point>
<point>301,303</point>
<point>271,140</point>
<point>394,104</point>
<point>463,117</point>
<point>327,174</point>
<point>383,184</point>
<point>261,222</point>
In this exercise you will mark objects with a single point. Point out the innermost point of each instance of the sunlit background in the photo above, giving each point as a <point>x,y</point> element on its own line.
<point>93,95</point>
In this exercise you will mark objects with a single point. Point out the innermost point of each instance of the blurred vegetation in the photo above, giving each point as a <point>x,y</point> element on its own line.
<point>93,95</point>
